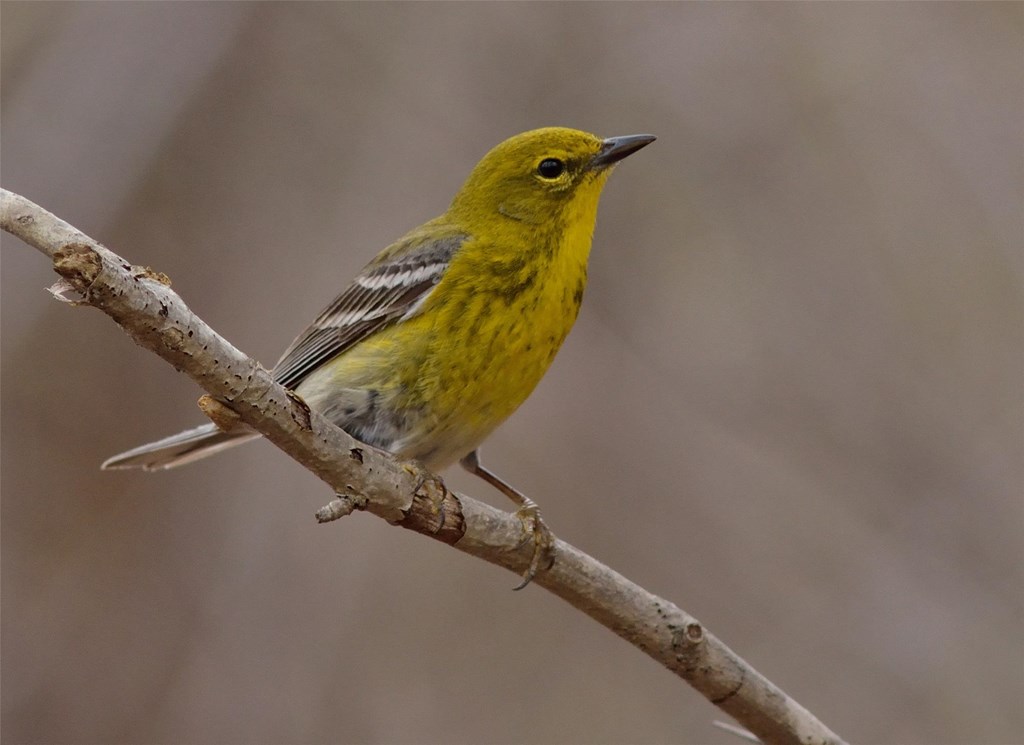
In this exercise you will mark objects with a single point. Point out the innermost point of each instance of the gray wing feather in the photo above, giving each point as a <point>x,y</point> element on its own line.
<point>384,291</point>
<point>389,288</point>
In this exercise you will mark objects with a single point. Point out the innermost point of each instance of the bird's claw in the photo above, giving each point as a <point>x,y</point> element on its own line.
<point>536,530</point>
<point>432,488</point>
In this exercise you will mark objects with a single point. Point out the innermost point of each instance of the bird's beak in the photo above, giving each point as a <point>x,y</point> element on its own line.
<point>615,149</point>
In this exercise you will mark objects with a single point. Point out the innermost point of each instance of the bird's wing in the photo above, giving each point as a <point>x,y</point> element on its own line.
<point>389,287</point>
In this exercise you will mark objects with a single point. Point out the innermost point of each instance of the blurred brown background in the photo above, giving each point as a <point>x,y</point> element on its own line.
<point>792,403</point>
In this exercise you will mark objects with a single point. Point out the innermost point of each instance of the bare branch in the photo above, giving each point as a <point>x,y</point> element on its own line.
<point>143,304</point>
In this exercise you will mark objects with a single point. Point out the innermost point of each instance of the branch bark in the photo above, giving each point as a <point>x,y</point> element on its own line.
<point>143,304</point>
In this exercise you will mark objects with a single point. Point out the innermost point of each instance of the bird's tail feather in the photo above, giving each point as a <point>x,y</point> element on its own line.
<point>179,449</point>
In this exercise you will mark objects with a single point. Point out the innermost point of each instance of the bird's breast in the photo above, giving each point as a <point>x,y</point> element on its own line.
<point>500,335</point>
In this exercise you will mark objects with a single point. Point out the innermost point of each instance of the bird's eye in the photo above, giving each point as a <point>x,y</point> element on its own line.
<point>551,168</point>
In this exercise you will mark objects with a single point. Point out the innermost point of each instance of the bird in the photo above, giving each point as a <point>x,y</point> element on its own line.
<point>448,330</point>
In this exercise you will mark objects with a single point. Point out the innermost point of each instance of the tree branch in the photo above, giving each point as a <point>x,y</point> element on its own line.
<point>142,303</point>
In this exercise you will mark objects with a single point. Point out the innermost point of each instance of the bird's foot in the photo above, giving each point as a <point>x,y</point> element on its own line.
<point>432,489</point>
<point>535,529</point>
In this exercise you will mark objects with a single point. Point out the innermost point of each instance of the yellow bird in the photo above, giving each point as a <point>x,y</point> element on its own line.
<point>447,331</point>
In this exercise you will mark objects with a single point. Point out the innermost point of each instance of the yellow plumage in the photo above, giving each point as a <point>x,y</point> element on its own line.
<point>446,332</point>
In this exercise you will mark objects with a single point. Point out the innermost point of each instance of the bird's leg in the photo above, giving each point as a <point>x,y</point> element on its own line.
<point>528,514</point>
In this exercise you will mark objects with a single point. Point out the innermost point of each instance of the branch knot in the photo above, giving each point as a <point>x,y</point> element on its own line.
<point>79,264</point>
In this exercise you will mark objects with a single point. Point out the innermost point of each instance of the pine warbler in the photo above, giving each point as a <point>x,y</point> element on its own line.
<point>446,332</point>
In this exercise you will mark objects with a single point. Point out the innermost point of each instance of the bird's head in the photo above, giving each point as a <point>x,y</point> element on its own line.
<point>536,176</point>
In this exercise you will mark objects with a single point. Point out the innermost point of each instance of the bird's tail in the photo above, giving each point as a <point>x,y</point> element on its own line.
<point>179,449</point>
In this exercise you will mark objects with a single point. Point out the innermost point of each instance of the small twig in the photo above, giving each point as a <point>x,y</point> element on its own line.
<point>343,506</point>
<point>143,304</point>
